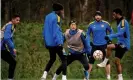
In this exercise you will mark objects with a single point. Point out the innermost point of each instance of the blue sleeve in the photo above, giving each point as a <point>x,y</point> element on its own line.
<point>64,39</point>
<point>89,31</point>
<point>10,44</point>
<point>86,42</point>
<point>109,29</point>
<point>7,32</point>
<point>57,34</point>
<point>45,24</point>
<point>120,32</point>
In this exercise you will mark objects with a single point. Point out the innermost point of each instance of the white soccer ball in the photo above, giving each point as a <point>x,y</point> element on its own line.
<point>98,55</point>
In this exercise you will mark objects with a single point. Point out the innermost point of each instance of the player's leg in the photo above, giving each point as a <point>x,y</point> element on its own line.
<point>63,65</point>
<point>52,53</point>
<point>107,68</point>
<point>84,61</point>
<point>110,47</point>
<point>91,58</point>
<point>119,68</point>
<point>118,56</point>
<point>6,56</point>
<point>90,67</point>
<point>70,59</point>
<point>91,62</point>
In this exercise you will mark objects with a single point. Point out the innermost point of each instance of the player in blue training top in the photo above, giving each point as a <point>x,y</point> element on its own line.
<point>8,51</point>
<point>53,38</point>
<point>98,29</point>
<point>123,41</point>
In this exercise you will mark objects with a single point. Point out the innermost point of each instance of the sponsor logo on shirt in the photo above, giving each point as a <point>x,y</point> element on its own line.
<point>102,25</point>
<point>94,26</point>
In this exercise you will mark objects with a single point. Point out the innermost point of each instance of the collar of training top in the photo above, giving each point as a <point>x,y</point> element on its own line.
<point>119,20</point>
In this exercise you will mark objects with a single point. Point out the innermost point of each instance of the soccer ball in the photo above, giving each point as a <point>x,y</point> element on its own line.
<point>98,55</point>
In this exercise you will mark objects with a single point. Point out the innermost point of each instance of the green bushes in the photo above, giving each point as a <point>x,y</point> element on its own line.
<point>32,57</point>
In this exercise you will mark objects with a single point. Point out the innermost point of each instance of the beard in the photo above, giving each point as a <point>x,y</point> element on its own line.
<point>98,20</point>
<point>61,15</point>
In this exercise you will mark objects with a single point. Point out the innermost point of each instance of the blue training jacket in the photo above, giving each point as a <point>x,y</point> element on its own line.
<point>52,32</point>
<point>123,34</point>
<point>99,30</point>
<point>7,42</point>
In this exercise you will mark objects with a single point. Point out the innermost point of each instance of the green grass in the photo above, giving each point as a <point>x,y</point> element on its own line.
<point>32,57</point>
<point>67,79</point>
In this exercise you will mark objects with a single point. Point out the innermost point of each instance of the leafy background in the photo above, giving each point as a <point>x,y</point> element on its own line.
<point>32,56</point>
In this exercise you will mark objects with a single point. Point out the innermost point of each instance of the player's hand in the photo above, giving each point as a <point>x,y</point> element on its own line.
<point>125,35</point>
<point>89,55</point>
<point>106,38</point>
<point>109,42</point>
<point>60,47</point>
<point>15,51</point>
<point>91,43</point>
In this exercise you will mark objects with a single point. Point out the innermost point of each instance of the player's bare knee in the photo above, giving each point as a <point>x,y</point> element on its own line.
<point>109,47</point>
<point>108,63</point>
<point>117,61</point>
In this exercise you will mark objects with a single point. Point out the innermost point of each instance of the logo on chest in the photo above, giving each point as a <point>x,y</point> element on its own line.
<point>94,26</point>
<point>102,25</point>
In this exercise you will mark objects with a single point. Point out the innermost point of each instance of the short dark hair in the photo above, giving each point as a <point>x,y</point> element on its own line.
<point>57,7</point>
<point>118,11</point>
<point>72,21</point>
<point>98,13</point>
<point>14,16</point>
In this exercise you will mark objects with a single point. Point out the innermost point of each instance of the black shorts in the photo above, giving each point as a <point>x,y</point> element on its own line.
<point>120,50</point>
<point>94,48</point>
<point>80,57</point>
